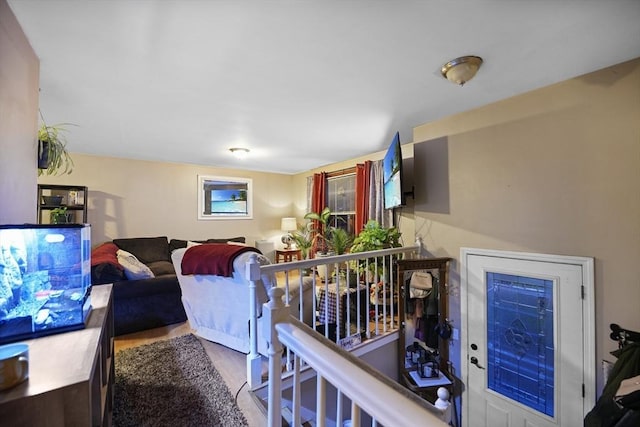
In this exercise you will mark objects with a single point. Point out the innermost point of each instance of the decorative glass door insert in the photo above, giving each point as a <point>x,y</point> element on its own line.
<point>520,339</point>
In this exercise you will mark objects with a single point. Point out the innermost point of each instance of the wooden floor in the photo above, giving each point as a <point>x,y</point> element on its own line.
<point>230,363</point>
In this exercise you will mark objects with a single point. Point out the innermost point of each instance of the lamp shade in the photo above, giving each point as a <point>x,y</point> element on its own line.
<point>288,224</point>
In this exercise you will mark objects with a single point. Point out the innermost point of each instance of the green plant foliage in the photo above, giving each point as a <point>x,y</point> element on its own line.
<point>303,238</point>
<point>59,215</point>
<point>338,240</point>
<point>60,162</point>
<point>322,217</point>
<point>375,237</point>
<point>320,221</point>
<point>372,238</point>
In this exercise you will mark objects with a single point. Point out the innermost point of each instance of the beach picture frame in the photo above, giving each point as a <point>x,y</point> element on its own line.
<point>224,197</point>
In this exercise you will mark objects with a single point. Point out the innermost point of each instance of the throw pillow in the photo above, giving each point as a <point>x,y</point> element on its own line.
<point>133,268</point>
<point>161,268</point>
<point>230,239</point>
<point>233,242</point>
<point>146,249</point>
<point>105,253</point>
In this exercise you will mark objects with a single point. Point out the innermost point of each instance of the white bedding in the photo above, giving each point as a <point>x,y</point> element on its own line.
<point>218,307</point>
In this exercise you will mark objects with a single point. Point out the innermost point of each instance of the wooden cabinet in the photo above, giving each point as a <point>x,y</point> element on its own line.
<point>71,375</point>
<point>418,302</point>
<point>71,197</point>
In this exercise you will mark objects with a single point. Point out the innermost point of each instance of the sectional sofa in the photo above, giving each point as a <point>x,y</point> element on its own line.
<point>146,292</point>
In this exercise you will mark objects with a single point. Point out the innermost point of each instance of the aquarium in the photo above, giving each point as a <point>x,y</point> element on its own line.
<point>45,279</point>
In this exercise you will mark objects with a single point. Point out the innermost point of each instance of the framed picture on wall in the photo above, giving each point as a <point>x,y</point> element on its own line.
<point>224,197</point>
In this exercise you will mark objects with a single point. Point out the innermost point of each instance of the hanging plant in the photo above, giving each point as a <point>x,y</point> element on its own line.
<point>53,157</point>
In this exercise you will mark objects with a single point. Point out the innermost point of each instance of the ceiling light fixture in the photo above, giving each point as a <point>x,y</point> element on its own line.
<point>239,153</point>
<point>461,70</point>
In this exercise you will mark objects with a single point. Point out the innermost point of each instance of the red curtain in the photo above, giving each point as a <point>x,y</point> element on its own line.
<point>363,172</point>
<point>318,201</point>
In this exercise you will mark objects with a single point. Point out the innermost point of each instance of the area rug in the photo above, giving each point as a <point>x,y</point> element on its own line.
<point>171,383</point>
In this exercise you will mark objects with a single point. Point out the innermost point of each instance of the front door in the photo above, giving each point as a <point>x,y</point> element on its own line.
<point>528,352</point>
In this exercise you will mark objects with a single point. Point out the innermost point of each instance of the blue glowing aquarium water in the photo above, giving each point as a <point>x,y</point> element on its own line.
<point>45,279</point>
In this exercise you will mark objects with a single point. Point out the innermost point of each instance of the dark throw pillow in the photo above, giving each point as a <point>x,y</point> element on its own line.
<point>146,249</point>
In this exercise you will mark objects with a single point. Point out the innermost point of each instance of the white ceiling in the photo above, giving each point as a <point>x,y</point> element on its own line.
<point>300,83</point>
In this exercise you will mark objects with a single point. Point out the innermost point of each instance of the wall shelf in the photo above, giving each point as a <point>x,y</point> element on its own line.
<point>74,198</point>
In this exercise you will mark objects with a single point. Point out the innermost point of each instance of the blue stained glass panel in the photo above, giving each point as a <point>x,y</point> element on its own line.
<point>520,342</point>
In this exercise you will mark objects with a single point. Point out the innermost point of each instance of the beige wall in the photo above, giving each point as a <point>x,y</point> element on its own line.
<point>132,198</point>
<point>553,171</point>
<point>19,74</point>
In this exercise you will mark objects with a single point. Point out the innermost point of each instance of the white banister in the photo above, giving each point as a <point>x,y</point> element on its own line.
<point>280,325</point>
<point>254,363</point>
<point>383,399</point>
<point>274,312</point>
<point>255,271</point>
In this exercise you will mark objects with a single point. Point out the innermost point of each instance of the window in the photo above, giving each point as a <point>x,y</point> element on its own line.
<point>341,200</point>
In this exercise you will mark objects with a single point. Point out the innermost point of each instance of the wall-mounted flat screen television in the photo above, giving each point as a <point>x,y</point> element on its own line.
<point>392,175</point>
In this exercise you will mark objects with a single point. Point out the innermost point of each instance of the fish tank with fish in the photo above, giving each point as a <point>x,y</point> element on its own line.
<point>45,279</point>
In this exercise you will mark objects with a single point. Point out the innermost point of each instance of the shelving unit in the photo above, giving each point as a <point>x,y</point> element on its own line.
<point>439,266</point>
<point>74,198</point>
<point>71,375</point>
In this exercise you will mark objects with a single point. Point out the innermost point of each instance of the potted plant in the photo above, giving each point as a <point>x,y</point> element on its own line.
<point>320,229</point>
<point>338,240</point>
<point>60,215</point>
<point>53,157</point>
<point>374,237</point>
<point>303,239</point>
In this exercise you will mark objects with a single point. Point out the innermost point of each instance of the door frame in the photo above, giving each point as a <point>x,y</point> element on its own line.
<point>588,316</point>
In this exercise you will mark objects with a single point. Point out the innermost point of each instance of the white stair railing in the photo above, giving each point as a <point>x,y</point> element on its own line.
<point>382,310</point>
<point>384,400</point>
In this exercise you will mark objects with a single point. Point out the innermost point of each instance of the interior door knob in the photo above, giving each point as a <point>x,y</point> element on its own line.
<point>474,360</point>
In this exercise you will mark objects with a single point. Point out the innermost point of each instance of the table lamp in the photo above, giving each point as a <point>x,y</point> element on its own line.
<point>288,224</point>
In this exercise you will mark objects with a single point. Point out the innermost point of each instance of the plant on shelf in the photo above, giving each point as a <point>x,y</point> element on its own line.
<point>59,215</point>
<point>53,157</point>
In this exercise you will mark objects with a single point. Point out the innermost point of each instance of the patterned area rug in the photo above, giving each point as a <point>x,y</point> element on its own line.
<point>171,383</point>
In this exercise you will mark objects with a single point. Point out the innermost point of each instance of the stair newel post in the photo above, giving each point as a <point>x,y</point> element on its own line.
<point>254,365</point>
<point>274,312</point>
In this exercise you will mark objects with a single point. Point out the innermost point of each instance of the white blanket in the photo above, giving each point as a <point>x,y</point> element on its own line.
<point>218,307</point>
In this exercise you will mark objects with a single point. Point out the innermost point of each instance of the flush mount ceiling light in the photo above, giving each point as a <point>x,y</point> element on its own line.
<point>461,70</point>
<point>239,153</point>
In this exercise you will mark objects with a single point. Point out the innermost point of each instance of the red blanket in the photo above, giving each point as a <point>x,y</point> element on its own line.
<point>212,258</point>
